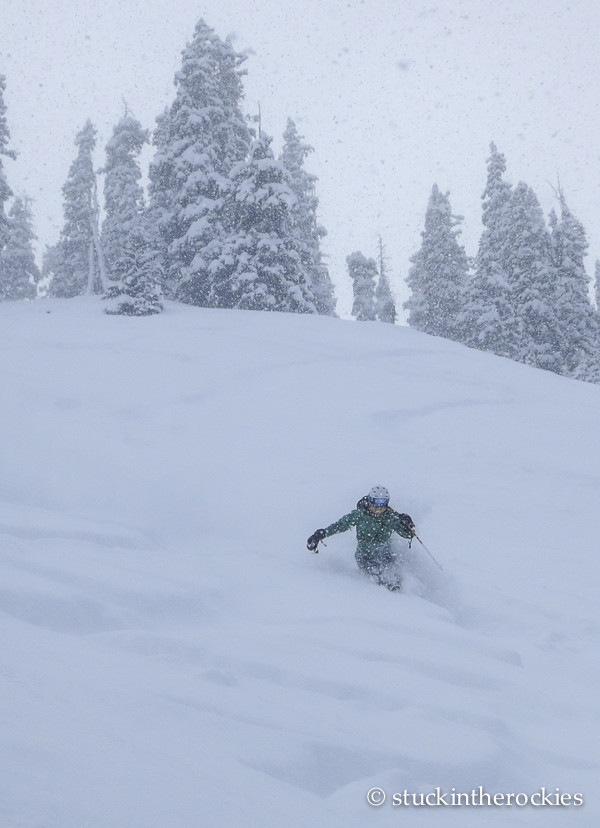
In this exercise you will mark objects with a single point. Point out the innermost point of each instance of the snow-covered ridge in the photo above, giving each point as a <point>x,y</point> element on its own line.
<point>173,655</point>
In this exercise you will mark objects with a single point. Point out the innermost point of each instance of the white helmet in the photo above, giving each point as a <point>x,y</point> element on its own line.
<point>381,494</point>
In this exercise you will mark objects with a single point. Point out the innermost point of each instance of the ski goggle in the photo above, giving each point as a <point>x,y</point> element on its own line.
<point>380,501</point>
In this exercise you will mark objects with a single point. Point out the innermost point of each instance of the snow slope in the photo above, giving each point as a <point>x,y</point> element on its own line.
<point>171,654</point>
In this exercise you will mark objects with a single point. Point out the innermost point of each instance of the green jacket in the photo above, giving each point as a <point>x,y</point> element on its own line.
<point>371,530</point>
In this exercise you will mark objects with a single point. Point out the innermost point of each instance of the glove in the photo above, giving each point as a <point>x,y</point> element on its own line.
<point>408,524</point>
<point>313,542</point>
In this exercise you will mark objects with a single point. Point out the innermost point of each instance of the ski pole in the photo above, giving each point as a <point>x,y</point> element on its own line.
<point>428,552</point>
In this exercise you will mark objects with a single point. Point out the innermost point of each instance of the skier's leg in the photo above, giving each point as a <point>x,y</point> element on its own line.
<point>368,562</point>
<point>376,562</point>
<point>389,575</point>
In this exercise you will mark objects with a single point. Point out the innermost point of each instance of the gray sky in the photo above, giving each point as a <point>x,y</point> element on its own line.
<point>393,97</point>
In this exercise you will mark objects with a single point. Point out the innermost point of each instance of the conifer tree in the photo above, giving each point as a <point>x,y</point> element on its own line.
<point>533,334</point>
<point>487,310</point>
<point>597,283</point>
<point>198,140</point>
<point>260,267</point>
<point>50,267</point>
<point>439,272</point>
<point>385,308</point>
<point>123,193</point>
<point>5,191</point>
<point>577,319</point>
<point>139,292</point>
<point>128,236</point>
<point>19,270</point>
<point>75,260</point>
<point>363,273</point>
<point>305,229</point>
<point>528,297</point>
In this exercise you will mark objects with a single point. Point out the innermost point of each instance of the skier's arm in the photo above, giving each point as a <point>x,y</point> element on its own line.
<point>343,524</point>
<point>405,527</point>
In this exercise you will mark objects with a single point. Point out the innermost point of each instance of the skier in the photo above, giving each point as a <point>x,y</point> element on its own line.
<point>375,521</point>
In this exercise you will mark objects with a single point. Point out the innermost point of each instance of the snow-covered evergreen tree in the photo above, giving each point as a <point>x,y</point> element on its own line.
<point>487,310</point>
<point>533,334</point>
<point>198,140</point>
<point>528,297</point>
<point>123,194</point>
<point>50,267</point>
<point>19,273</point>
<point>75,261</point>
<point>5,191</point>
<point>128,236</point>
<point>385,307</point>
<point>363,273</point>
<point>597,283</point>
<point>139,292</point>
<point>305,229</point>
<point>438,275</point>
<point>578,320</point>
<point>260,267</point>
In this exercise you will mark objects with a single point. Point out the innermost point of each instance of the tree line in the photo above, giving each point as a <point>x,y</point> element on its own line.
<point>227,225</point>
<point>525,296</point>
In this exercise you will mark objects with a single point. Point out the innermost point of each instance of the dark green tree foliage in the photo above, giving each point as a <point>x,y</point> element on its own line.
<point>363,273</point>
<point>487,313</point>
<point>128,236</point>
<point>260,267</point>
<point>438,275</point>
<point>385,307</point>
<point>576,318</point>
<point>305,229</point>
<point>5,191</point>
<point>19,270</point>
<point>75,264</point>
<point>198,140</point>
